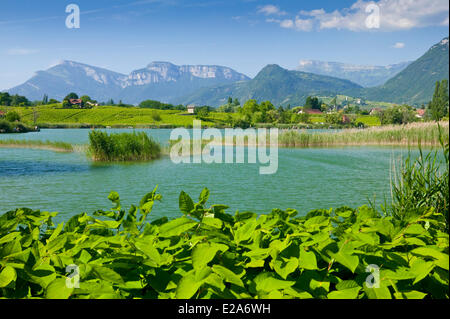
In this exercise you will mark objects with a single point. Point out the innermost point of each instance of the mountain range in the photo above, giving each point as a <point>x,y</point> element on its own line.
<point>280,86</point>
<point>411,83</point>
<point>364,75</point>
<point>161,81</point>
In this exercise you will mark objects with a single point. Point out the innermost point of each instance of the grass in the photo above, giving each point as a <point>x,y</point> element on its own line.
<point>402,135</point>
<point>43,145</point>
<point>122,147</point>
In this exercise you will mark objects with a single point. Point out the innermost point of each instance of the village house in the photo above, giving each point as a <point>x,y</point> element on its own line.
<point>91,104</point>
<point>77,102</point>
<point>420,113</point>
<point>191,109</point>
<point>310,111</point>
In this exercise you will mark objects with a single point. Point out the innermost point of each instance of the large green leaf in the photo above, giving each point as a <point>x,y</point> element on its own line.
<point>204,253</point>
<point>7,275</point>
<point>307,259</point>
<point>176,227</point>
<point>351,293</point>
<point>58,289</point>
<point>228,275</point>
<point>185,202</point>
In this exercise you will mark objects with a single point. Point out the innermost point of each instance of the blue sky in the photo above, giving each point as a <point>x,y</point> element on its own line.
<point>243,34</point>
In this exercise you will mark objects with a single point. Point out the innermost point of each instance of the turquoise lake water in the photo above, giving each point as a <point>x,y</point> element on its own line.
<point>306,178</point>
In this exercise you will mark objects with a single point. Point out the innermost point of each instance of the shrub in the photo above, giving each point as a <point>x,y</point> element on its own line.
<point>12,116</point>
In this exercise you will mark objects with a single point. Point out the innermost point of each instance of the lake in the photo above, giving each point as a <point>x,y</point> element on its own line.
<point>306,178</point>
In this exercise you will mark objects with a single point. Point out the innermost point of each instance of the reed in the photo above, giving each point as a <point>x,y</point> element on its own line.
<point>122,147</point>
<point>402,135</point>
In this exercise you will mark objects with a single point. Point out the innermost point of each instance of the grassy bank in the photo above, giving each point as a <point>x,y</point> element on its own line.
<point>209,253</point>
<point>42,145</point>
<point>410,134</point>
<point>14,127</point>
<point>122,147</point>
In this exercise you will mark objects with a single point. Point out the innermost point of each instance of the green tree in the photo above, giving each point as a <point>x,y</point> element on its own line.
<point>71,96</point>
<point>438,106</point>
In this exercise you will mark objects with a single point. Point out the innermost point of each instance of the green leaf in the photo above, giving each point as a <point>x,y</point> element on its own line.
<point>204,253</point>
<point>42,274</point>
<point>204,196</point>
<point>185,202</point>
<point>266,282</point>
<point>410,295</point>
<point>285,267</point>
<point>57,289</point>
<point>307,259</point>
<point>150,251</point>
<point>245,232</point>
<point>442,260</point>
<point>346,258</point>
<point>176,227</point>
<point>187,287</point>
<point>228,275</point>
<point>56,232</point>
<point>351,293</point>
<point>7,275</point>
<point>107,274</point>
<point>9,237</point>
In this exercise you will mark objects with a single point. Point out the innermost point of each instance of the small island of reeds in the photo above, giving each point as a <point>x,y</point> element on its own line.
<point>122,147</point>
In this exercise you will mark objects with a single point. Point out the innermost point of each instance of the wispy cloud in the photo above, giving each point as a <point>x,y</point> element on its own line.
<point>21,51</point>
<point>271,10</point>
<point>399,45</point>
<point>393,15</point>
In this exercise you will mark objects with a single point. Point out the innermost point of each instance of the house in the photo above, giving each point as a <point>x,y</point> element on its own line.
<point>78,102</point>
<point>310,111</point>
<point>91,104</point>
<point>191,109</point>
<point>420,113</point>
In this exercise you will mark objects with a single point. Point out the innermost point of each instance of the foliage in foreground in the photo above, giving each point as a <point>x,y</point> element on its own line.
<point>122,147</point>
<point>208,253</point>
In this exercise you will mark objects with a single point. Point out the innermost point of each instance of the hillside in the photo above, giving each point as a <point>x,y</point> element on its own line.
<point>276,84</point>
<point>415,84</point>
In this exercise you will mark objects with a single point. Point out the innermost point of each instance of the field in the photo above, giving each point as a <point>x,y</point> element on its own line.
<point>53,115</point>
<point>110,116</point>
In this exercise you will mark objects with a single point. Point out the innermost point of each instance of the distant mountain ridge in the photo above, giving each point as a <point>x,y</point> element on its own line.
<point>162,81</point>
<point>364,75</point>
<point>280,86</point>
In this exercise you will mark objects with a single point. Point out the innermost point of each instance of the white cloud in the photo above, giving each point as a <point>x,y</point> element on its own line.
<point>384,15</point>
<point>399,45</point>
<point>19,51</point>
<point>271,10</point>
